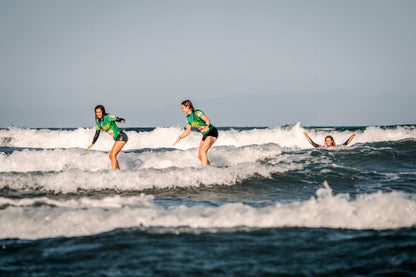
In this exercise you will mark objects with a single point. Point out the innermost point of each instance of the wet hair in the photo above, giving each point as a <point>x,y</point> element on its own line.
<point>101,107</point>
<point>333,141</point>
<point>188,103</point>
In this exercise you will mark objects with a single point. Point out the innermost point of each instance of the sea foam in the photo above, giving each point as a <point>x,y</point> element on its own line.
<point>38,218</point>
<point>286,136</point>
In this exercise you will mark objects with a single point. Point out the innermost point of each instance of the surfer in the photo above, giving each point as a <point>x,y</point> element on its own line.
<point>329,141</point>
<point>107,123</point>
<point>198,119</point>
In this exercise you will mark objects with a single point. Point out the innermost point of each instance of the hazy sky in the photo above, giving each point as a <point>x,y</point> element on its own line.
<point>245,63</point>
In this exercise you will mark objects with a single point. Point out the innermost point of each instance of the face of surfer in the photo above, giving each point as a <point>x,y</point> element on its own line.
<point>186,109</point>
<point>99,113</point>
<point>329,141</point>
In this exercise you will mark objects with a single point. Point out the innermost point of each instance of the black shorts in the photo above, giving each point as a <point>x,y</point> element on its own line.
<point>212,133</point>
<point>122,137</point>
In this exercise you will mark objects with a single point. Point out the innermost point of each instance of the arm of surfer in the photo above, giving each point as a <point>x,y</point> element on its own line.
<point>184,134</point>
<point>207,123</point>
<point>310,140</point>
<point>122,120</point>
<point>97,134</point>
<point>350,139</point>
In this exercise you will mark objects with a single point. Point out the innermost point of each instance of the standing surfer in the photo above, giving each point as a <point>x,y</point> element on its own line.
<point>107,123</point>
<point>198,119</point>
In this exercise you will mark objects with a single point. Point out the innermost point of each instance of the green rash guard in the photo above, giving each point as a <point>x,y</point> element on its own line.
<point>196,121</point>
<point>108,124</point>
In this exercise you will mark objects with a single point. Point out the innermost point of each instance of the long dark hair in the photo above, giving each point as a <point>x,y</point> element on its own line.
<point>101,107</point>
<point>188,103</point>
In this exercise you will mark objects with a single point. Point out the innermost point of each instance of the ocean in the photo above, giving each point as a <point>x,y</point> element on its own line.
<point>269,205</point>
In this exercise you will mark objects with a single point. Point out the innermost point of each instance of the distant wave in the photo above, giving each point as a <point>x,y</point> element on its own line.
<point>154,138</point>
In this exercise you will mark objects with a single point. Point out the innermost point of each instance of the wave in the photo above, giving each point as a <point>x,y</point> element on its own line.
<point>72,169</point>
<point>69,170</point>
<point>28,160</point>
<point>52,161</point>
<point>154,138</point>
<point>37,218</point>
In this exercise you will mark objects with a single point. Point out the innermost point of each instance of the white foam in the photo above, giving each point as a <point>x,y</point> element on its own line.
<point>53,160</point>
<point>43,218</point>
<point>289,136</point>
<point>73,180</point>
<point>219,156</point>
<point>66,159</point>
<point>67,170</point>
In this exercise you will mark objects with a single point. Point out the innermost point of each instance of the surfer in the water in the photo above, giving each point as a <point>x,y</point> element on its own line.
<point>107,123</point>
<point>198,119</point>
<point>329,141</point>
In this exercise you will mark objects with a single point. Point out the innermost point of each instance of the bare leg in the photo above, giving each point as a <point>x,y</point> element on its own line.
<point>203,150</point>
<point>118,145</point>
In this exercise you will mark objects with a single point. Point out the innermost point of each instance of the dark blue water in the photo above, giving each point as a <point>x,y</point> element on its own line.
<point>277,207</point>
<point>282,251</point>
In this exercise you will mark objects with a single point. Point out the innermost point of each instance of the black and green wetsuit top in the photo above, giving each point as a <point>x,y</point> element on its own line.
<point>108,124</point>
<point>196,121</point>
<point>314,144</point>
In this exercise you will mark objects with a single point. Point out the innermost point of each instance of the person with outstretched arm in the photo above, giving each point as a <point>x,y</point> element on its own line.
<point>199,120</point>
<point>329,141</point>
<point>107,122</point>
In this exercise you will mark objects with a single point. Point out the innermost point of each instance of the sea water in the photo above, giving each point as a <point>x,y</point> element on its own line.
<point>270,203</point>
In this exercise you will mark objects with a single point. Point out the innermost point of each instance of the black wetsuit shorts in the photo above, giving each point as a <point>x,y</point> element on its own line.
<point>122,137</point>
<point>212,133</point>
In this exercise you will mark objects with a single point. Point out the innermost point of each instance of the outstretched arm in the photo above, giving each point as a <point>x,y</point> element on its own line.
<point>97,134</point>
<point>310,140</point>
<point>119,119</point>
<point>184,134</point>
<point>350,139</point>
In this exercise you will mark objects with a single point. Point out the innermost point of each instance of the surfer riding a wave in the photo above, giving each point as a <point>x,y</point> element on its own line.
<point>199,120</point>
<point>107,123</point>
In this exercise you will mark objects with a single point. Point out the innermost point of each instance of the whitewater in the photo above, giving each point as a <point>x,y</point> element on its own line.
<point>265,184</point>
